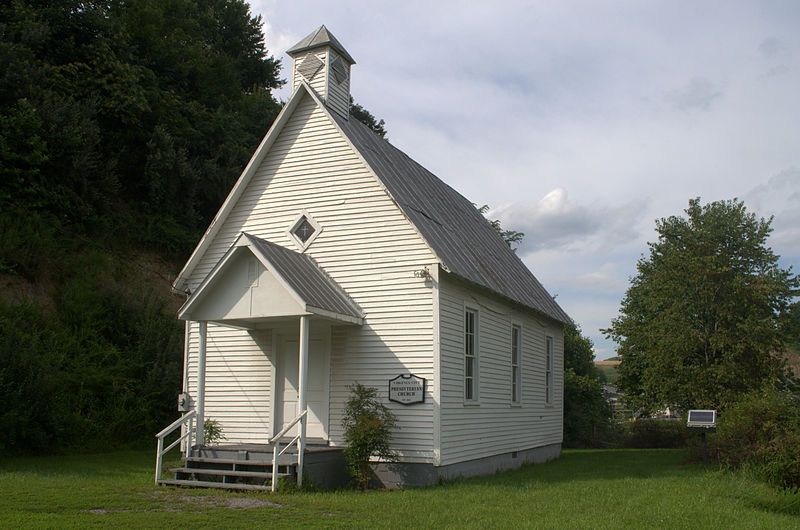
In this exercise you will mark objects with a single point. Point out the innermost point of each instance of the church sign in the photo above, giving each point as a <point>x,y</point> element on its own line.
<point>407,389</point>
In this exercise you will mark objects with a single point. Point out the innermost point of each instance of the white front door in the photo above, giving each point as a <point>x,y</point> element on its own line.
<point>286,387</point>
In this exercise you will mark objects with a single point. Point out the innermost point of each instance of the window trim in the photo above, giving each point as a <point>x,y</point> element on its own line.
<point>303,245</point>
<point>474,399</point>
<point>516,379</point>
<point>549,354</point>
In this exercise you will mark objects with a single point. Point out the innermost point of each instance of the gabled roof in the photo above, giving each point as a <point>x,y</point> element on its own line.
<point>467,245</point>
<point>462,239</point>
<point>318,38</point>
<point>308,284</point>
<point>306,278</point>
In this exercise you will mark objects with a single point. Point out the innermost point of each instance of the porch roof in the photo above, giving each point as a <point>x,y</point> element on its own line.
<point>298,274</point>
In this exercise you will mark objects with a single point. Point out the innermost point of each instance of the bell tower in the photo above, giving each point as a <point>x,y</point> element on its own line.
<point>321,61</point>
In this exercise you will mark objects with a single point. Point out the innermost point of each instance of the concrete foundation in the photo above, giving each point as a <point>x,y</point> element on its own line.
<point>402,475</point>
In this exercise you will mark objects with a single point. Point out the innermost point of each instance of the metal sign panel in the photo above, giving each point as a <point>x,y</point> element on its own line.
<point>407,389</point>
<point>702,418</point>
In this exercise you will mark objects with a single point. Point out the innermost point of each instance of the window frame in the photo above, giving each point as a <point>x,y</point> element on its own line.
<point>549,354</point>
<point>472,399</point>
<point>516,376</point>
<point>303,245</point>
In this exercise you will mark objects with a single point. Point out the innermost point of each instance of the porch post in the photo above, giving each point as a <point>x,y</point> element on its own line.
<point>301,401</point>
<point>200,438</point>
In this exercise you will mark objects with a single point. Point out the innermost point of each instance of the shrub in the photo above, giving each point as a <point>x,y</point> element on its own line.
<point>587,414</point>
<point>761,432</point>
<point>368,430</point>
<point>212,431</point>
<point>656,434</point>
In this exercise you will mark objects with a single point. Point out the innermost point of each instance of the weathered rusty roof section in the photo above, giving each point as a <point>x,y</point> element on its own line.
<point>461,237</point>
<point>307,278</point>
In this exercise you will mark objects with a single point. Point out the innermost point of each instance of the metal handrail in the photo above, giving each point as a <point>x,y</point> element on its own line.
<point>160,452</point>
<point>276,449</point>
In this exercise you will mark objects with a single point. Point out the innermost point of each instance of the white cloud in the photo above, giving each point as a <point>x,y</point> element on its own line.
<point>555,222</point>
<point>633,107</point>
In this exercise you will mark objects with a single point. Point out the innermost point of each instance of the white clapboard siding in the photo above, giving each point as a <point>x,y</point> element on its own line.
<point>494,425</point>
<point>318,81</point>
<point>238,381</point>
<point>366,245</point>
<point>338,96</point>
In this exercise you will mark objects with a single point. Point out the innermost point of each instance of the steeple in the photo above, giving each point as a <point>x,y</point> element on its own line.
<point>322,62</point>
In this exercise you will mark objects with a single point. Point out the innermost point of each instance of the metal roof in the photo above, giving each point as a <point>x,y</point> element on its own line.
<point>306,278</point>
<point>318,38</point>
<point>461,237</point>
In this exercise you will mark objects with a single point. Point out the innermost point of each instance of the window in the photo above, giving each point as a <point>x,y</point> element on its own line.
<point>470,355</point>
<point>516,374</point>
<point>304,230</point>
<point>548,378</point>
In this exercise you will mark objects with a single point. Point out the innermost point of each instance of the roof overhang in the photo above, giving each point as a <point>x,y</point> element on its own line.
<point>223,294</point>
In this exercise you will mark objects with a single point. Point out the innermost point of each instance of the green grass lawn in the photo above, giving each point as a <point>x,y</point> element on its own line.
<point>584,489</point>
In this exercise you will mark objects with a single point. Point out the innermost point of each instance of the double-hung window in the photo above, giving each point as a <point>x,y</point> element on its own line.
<point>470,355</point>
<point>548,378</point>
<point>516,355</point>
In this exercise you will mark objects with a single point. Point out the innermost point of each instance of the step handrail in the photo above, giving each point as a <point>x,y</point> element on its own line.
<point>300,441</point>
<point>161,451</point>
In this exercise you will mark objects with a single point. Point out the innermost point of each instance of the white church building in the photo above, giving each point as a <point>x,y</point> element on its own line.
<point>337,259</point>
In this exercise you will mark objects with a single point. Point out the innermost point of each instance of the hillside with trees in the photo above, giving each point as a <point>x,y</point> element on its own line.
<point>123,126</point>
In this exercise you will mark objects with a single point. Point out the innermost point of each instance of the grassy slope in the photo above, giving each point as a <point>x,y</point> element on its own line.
<point>597,489</point>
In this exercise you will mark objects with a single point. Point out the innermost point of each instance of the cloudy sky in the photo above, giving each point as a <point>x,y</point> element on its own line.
<point>580,123</point>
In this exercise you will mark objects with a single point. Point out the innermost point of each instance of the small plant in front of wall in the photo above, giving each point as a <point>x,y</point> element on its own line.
<point>212,430</point>
<point>368,425</point>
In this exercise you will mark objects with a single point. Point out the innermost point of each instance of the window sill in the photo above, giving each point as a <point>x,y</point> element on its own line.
<point>515,405</point>
<point>471,404</point>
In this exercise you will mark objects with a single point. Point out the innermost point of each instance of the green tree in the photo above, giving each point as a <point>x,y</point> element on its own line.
<point>367,118</point>
<point>586,412</point>
<point>707,311</point>
<point>511,237</point>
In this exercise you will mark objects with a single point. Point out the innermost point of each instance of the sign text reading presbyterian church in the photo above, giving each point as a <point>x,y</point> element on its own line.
<point>407,389</point>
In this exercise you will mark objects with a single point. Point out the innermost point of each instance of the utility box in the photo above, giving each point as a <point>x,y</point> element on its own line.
<point>184,402</point>
<point>702,419</point>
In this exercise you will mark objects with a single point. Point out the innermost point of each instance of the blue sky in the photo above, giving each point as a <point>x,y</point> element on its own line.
<point>581,123</point>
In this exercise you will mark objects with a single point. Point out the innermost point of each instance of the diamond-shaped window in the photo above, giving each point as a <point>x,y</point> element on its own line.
<point>303,230</point>
<point>339,70</point>
<point>310,66</point>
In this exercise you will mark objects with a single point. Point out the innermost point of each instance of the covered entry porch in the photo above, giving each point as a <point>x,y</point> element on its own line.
<point>288,305</point>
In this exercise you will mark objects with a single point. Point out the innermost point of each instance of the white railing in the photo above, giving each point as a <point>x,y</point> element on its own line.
<point>161,451</point>
<point>299,440</point>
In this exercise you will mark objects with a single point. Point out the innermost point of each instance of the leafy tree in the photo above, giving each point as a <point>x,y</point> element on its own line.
<point>368,119</point>
<point>586,412</point>
<point>511,237</point>
<point>706,312</point>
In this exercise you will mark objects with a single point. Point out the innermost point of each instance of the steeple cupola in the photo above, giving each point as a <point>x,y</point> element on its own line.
<point>321,61</point>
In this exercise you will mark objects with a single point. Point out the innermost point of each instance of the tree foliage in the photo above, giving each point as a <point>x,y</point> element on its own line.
<point>367,118</point>
<point>707,311</point>
<point>123,126</point>
<point>511,237</point>
<point>586,412</point>
<point>112,112</point>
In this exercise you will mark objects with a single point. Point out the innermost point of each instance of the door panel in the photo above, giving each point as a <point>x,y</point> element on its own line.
<point>317,387</point>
